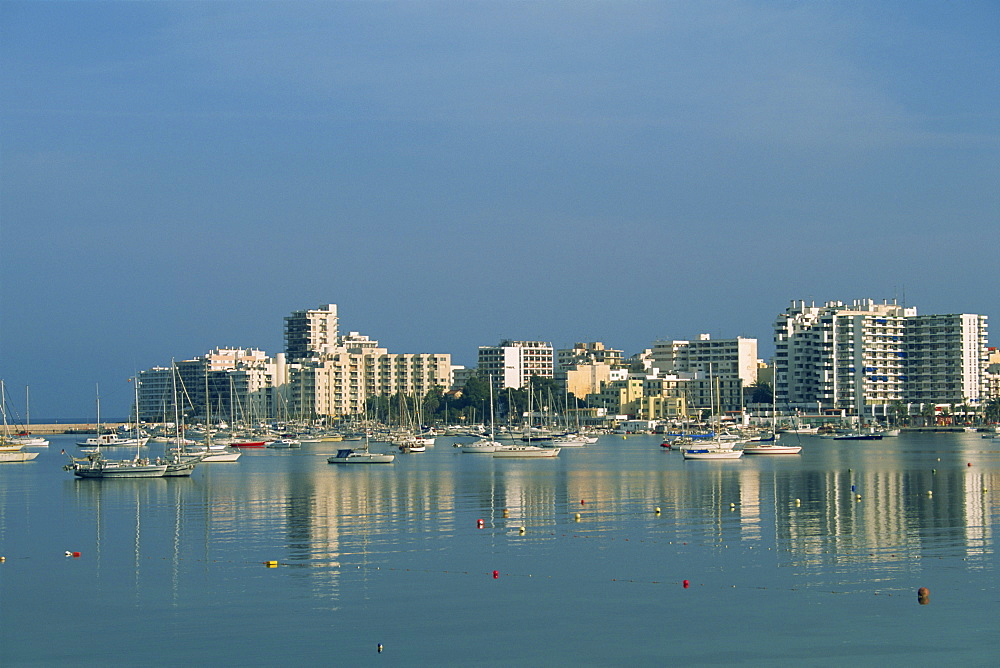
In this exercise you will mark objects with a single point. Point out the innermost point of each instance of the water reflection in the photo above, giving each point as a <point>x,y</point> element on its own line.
<point>832,514</point>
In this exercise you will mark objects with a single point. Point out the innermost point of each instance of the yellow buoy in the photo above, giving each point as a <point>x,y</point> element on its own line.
<point>657,510</point>
<point>521,531</point>
<point>271,564</point>
<point>576,517</point>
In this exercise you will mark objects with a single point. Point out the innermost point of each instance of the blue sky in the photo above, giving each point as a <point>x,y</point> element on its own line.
<point>176,176</point>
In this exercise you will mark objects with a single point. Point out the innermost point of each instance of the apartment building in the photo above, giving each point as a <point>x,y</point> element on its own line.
<point>512,363</point>
<point>225,383</point>
<point>718,369</point>
<point>310,332</point>
<point>861,357</point>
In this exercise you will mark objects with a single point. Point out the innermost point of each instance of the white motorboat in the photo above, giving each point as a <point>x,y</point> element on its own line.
<point>17,456</point>
<point>484,446</point>
<point>29,441</point>
<point>285,443</point>
<point>524,452</point>
<point>103,440</point>
<point>223,456</point>
<point>770,448</point>
<point>711,453</point>
<point>349,456</point>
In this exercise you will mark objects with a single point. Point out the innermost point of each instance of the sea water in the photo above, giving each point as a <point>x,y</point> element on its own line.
<point>617,553</point>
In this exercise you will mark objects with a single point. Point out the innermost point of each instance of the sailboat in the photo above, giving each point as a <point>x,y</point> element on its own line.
<point>179,462</point>
<point>25,437</point>
<point>770,445</point>
<point>10,451</point>
<point>714,447</point>
<point>352,456</point>
<point>94,465</point>
<point>489,445</point>
<point>528,450</point>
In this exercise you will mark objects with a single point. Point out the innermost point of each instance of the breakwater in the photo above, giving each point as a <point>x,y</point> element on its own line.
<point>79,428</point>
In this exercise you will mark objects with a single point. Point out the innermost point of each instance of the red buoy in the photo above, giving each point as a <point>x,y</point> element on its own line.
<point>479,523</point>
<point>686,584</point>
<point>76,554</point>
<point>583,502</point>
<point>969,464</point>
<point>496,575</point>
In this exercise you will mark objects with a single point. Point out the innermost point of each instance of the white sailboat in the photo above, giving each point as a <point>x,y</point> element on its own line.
<point>526,451</point>
<point>485,446</point>
<point>352,456</point>
<point>770,446</point>
<point>11,452</point>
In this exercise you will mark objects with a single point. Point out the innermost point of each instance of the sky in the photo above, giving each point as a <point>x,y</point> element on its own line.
<point>177,176</point>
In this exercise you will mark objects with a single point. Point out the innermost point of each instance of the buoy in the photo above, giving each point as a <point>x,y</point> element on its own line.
<point>506,512</point>
<point>930,492</point>
<point>521,530</point>
<point>576,517</point>
<point>3,559</point>
<point>68,553</point>
<point>798,502</point>
<point>923,596</point>
<point>496,575</point>
<point>380,648</point>
<point>76,555</point>
<point>582,502</point>
<point>858,497</point>
<point>853,488</point>
<point>479,523</point>
<point>686,584</point>
<point>969,464</point>
<point>657,510</point>
<point>732,505</point>
<point>271,564</point>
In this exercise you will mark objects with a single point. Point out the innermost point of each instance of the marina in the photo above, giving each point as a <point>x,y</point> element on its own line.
<point>642,546</point>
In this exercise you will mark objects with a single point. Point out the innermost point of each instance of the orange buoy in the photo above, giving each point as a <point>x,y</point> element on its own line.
<point>923,596</point>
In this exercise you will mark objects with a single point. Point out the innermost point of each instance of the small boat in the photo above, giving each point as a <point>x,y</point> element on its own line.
<point>285,443</point>
<point>412,445</point>
<point>858,436</point>
<point>248,444</point>
<point>28,440</point>
<point>17,456</point>
<point>349,456</point>
<point>524,452</point>
<point>770,448</point>
<point>224,456</point>
<point>711,453</point>
<point>483,446</point>
<point>108,440</point>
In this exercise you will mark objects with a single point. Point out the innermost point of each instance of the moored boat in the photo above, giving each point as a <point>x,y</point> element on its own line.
<point>350,456</point>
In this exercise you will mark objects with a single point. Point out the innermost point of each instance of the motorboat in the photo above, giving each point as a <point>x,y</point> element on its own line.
<point>524,452</point>
<point>285,443</point>
<point>711,453</point>
<point>104,440</point>
<point>771,448</point>
<point>350,456</point>
<point>17,456</point>
<point>484,446</point>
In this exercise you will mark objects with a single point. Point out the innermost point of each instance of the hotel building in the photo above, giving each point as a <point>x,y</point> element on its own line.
<point>513,363</point>
<point>860,358</point>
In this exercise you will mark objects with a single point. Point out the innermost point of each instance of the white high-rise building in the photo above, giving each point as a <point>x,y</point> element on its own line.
<point>856,357</point>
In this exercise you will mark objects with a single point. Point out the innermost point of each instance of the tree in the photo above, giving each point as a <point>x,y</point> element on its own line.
<point>761,392</point>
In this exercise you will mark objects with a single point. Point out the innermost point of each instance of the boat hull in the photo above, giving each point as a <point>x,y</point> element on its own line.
<point>17,456</point>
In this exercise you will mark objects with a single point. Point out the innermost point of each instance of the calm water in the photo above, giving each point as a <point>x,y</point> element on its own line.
<point>171,570</point>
